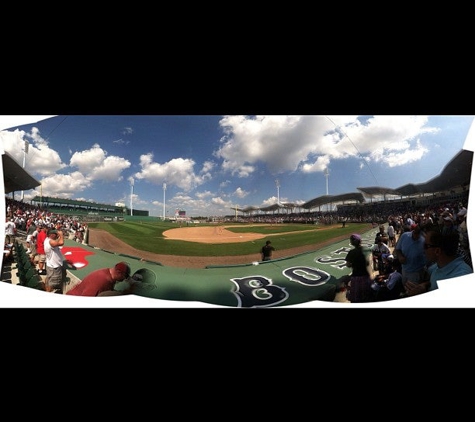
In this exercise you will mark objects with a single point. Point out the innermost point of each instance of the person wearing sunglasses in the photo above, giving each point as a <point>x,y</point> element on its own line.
<point>444,262</point>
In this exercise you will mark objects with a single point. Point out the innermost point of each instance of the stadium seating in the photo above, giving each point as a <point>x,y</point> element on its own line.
<point>26,274</point>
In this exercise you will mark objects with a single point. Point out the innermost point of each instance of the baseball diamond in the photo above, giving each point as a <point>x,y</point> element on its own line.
<point>313,275</point>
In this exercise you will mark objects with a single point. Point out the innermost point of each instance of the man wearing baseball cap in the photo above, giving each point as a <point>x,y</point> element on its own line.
<point>101,282</point>
<point>54,281</point>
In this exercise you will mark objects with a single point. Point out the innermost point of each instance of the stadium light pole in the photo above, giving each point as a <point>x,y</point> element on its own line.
<point>131,196</point>
<point>278,186</point>
<point>326,173</point>
<point>25,151</point>
<point>164,189</point>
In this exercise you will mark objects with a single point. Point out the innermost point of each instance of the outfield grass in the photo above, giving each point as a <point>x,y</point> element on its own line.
<point>148,236</point>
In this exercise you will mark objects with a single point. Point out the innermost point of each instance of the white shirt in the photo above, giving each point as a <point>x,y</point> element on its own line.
<point>10,228</point>
<point>390,231</point>
<point>54,257</point>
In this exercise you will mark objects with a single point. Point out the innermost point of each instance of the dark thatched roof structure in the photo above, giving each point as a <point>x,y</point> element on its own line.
<point>15,177</point>
<point>456,174</point>
<point>333,199</point>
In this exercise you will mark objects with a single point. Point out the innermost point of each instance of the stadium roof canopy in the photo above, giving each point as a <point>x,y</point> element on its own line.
<point>249,209</point>
<point>15,177</point>
<point>331,199</point>
<point>378,190</point>
<point>273,207</point>
<point>456,173</point>
<point>279,206</point>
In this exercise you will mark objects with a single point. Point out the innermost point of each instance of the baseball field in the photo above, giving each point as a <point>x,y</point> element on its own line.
<point>197,246</point>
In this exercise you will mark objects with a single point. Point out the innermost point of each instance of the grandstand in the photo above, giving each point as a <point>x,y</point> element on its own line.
<point>451,185</point>
<point>70,205</point>
<point>86,211</point>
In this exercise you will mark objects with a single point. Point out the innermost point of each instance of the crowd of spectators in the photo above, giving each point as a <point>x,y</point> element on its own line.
<point>24,216</point>
<point>399,227</point>
<point>31,224</point>
<point>428,246</point>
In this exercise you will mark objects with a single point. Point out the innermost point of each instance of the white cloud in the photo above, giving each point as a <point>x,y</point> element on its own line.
<point>177,171</point>
<point>96,165</point>
<point>63,185</point>
<point>309,143</point>
<point>240,193</point>
<point>203,195</point>
<point>40,157</point>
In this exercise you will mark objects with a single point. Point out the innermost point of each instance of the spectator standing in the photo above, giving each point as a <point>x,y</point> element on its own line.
<point>428,220</point>
<point>381,235</point>
<point>40,256</point>
<point>391,235</point>
<point>442,214</point>
<point>7,251</point>
<point>54,281</point>
<point>409,220</point>
<point>266,251</point>
<point>410,253</point>
<point>10,229</point>
<point>448,224</point>
<point>464,245</point>
<point>380,252</point>
<point>101,282</point>
<point>360,279</point>
<point>29,232</point>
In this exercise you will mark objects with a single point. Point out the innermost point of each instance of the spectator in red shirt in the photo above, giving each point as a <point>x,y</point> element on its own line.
<point>40,256</point>
<point>101,282</point>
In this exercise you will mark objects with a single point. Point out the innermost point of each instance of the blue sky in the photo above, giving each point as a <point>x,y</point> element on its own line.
<point>211,163</point>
